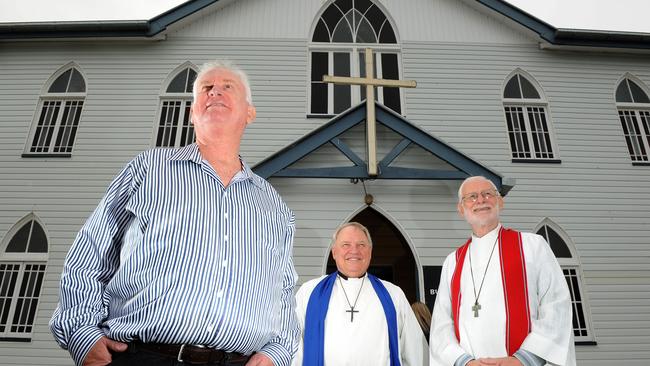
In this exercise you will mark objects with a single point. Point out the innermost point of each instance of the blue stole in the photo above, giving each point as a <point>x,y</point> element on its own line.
<point>314,345</point>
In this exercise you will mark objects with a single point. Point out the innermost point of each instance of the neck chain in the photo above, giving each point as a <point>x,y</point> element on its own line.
<point>476,307</point>
<point>352,306</point>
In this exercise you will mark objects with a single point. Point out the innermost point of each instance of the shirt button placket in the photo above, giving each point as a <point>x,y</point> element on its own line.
<point>221,275</point>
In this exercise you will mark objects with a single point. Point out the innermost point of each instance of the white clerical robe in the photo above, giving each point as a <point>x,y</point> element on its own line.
<point>549,300</point>
<point>363,341</point>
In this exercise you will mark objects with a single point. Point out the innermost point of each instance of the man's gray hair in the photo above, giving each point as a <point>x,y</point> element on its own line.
<point>354,224</point>
<point>475,177</point>
<point>227,65</point>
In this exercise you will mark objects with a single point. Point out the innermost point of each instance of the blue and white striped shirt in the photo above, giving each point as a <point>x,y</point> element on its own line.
<point>172,256</point>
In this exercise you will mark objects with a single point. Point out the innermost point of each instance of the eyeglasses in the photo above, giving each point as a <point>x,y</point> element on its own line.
<point>486,194</point>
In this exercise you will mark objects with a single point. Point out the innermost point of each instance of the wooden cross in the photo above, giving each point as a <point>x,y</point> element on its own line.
<point>352,311</point>
<point>370,82</point>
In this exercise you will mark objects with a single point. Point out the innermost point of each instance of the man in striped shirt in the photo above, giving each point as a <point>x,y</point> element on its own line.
<point>187,258</point>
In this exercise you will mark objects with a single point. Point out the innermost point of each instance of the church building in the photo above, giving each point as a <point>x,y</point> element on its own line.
<point>558,119</point>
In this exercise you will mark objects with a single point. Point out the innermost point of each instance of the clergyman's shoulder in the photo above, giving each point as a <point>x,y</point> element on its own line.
<point>307,287</point>
<point>533,236</point>
<point>534,241</point>
<point>393,289</point>
<point>389,285</point>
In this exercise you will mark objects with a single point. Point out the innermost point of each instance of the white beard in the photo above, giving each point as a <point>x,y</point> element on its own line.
<point>475,220</point>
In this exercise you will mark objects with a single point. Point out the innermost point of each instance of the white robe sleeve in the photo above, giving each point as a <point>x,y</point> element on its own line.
<point>412,343</point>
<point>551,336</point>
<point>444,348</point>
<point>302,299</point>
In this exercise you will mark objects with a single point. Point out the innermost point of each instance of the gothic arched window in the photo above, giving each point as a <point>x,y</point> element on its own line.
<point>23,259</point>
<point>174,126</point>
<point>633,107</point>
<point>341,34</point>
<point>568,260</point>
<point>61,102</point>
<point>529,127</point>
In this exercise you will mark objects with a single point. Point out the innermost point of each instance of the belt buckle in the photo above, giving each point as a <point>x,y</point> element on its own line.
<point>180,353</point>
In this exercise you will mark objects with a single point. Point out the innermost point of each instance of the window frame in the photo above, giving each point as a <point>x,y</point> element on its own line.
<point>63,98</point>
<point>568,264</point>
<point>23,260</point>
<point>637,157</point>
<point>355,90</point>
<point>526,104</point>
<point>170,97</point>
<point>353,50</point>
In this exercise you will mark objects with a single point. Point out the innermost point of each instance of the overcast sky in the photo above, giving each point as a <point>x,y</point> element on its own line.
<point>617,15</point>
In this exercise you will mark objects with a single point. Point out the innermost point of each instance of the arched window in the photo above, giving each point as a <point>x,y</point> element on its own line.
<point>634,112</point>
<point>22,267</point>
<point>529,128</point>
<point>341,33</point>
<point>174,126</point>
<point>559,242</point>
<point>61,102</point>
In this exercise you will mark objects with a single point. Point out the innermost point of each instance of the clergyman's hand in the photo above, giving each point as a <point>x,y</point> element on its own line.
<point>259,359</point>
<point>100,354</point>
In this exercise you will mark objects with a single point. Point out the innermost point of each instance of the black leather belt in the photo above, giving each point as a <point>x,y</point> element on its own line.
<point>189,354</point>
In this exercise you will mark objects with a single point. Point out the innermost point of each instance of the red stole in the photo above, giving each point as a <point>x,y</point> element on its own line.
<point>515,288</point>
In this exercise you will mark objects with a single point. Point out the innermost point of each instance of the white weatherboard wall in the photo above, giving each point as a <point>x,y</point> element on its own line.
<point>460,58</point>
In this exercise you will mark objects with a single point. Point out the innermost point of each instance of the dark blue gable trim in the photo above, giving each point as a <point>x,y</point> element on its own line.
<point>161,22</point>
<point>544,30</point>
<point>279,161</point>
<point>278,165</point>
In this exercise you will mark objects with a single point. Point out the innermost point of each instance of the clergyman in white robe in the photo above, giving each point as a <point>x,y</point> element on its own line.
<point>363,341</point>
<point>551,336</point>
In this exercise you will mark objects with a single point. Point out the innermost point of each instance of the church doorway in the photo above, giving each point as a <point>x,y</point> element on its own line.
<point>392,258</point>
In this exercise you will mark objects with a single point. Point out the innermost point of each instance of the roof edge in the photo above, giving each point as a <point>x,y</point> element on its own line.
<point>543,29</point>
<point>579,38</point>
<point>84,29</point>
<point>161,22</point>
<point>105,28</point>
<point>154,27</point>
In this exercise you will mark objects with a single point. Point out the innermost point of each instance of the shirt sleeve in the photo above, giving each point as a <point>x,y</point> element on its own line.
<point>302,299</point>
<point>444,348</point>
<point>552,328</point>
<point>464,360</point>
<point>282,348</point>
<point>412,343</point>
<point>89,265</point>
<point>528,358</point>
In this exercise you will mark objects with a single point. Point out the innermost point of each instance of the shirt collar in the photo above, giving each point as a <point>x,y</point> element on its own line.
<point>191,153</point>
<point>248,173</point>
<point>489,236</point>
<point>187,153</point>
<point>346,277</point>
